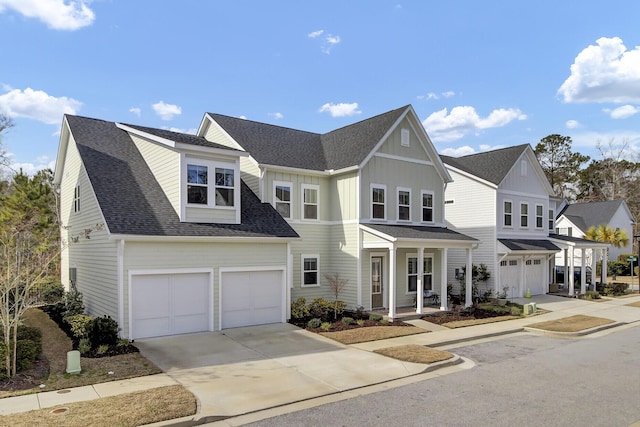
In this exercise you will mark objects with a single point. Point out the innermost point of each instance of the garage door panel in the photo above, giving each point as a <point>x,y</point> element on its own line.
<point>252,298</point>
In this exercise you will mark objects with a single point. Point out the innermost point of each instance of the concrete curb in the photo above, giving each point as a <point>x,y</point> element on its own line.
<point>455,360</point>
<point>476,337</point>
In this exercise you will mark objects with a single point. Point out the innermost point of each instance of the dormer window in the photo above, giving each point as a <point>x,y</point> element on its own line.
<point>224,187</point>
<point>199,188</point>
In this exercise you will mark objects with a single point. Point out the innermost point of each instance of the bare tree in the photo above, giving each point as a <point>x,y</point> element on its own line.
<point>336,284</point>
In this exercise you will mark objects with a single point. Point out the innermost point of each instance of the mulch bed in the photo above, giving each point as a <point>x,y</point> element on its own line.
<point>28,378</point>
<point>339,326</point>
<point>457,315</point>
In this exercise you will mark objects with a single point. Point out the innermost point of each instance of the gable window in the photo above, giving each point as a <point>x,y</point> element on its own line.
<point>378,210</point>
<point>282,198</point>
<point>197,184</point>
<point>551,219</point>
<point>508,213</point>
<point>309,201</point>
<point>427,206</point>
<point>404,205</point>
<point>310,270</point>
<point>412,273</point>
<point>76,199</point>
<point>224,187</point>
<point>539,216</point>
<point>524,215</point>
<point>405,138</point>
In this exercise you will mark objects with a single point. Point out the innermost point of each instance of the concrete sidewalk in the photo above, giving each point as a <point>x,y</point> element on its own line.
<point>265,373</point>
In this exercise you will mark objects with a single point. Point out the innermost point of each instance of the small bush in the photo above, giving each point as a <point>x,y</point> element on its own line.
<point>26,354</point>
<point>360,322</point>
<point>299,308</point>
<point>325,326</point>
<point>314,323</point>
<point>52,292</point>
<point>324,309</point>
<point>615,288</point>
<point>84,346</point>
<point>73,304</point>
<point>32,334</point>
<point>375,317</point>
<point>348,321</point>
<point>123,342</point>
<point>79,325</point>
<point>516,311</point>
<point>384,322</point>
<point>102,349</point>
<point>103,330</point>
<point>593,295</point>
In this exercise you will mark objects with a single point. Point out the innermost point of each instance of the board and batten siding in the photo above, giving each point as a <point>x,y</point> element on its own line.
<point>185,255</point>
<point>344,197</point>
<point>297,181</point>
<point>165,167</point>
<point>95,259</point>
<point>393,144</point>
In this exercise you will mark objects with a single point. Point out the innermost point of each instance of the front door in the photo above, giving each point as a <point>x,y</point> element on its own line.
<point>376,282</point>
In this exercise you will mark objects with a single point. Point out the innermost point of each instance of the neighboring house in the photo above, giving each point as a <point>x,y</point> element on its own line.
<point>575,219</point>
<point>205,232</point>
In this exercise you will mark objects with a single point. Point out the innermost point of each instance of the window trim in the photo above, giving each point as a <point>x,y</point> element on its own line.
<point>551,219</point>
<point>504,213</point>
<point>76,198</point>
<point>541,217</point>
<point>303,271</point>
<point>290,202</point>
<point>384,203</point>
<point>304,187</point>
<point>521,215</point>
<point>407,275</point>
<point>211,185</point>
<point>398,205</point>
<point>422,206</point>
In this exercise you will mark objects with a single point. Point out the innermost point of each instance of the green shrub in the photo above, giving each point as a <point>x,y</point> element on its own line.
<point>123,342</point>
<point>26,354</point>
<point>102,349</point>
<point>314,323</point>
<point>79,325</point>
<point>84,346</point>
<point>325,326</point>
<point>324,309</point>
<point>52,292</point>
<point>299,308</point>
<point>103,330</point>
<point>375,317</point>
<point>593,295</point>
<point>384,322</point>
<point>360,322</point>
<point>32,334</point>
<point>516,311</point>
<point>615,288</point>
<point>73,303</point>
<point>618,268</point>
<point>348,321</point>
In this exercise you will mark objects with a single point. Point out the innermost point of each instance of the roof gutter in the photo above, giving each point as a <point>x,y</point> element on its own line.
<point>198,239</point>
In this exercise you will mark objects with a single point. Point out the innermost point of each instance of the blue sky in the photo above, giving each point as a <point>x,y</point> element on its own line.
<point>480,75</point>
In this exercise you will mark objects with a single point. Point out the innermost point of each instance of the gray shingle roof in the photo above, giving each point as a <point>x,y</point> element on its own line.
<point>529,245</point>
<point>492,166</point>
<point>585,215</point>
<point>280,146</point>
<point>577,240</point>
<point>420,232</point>
<point>183,138</point>
<point>132,201</point>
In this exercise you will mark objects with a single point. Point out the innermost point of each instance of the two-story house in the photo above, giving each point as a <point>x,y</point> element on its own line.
<point>171,233</point>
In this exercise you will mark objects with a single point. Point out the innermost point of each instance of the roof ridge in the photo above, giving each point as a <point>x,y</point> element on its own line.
<point>360,122</point>
<point>262,123</point>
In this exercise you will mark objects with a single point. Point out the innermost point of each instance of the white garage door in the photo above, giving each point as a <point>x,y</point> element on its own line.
<point>252,298</point>
<point>510,276</point>
<point>169,304</point>
<point>534,274</point>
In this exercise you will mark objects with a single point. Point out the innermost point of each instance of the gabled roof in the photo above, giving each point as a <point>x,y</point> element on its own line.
<point>280,146</point>
<point>132,201</point>
<point>492,166</point>
<point>183,138</point>
<point>587,214</point>
<point>529,245</point>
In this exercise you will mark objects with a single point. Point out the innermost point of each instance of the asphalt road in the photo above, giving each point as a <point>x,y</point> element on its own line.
<point>522,380</point>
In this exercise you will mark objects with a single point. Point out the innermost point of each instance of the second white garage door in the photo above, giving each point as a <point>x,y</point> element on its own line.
<point>252,298</point>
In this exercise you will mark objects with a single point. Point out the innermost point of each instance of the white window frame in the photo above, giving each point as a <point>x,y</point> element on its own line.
<point>303,271</point>
<point>398,205</point>
<point>384,203</point>
<point>211,184</point>
<point>405,137</point>
<point>539,217</point>
<point>277,184</point>
<point>504,213</point>
<point>552,219</point>
<point>304,203</point>
<point>76,199</point>
<point>423,207</point>
<point>415,255</point>
<point>523,216</point>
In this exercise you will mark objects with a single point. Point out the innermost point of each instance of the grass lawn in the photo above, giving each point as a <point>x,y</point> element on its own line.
<point>571,324</point>
<point>634,304</point>
<point>133,409</point>
<point>371,333</point>
<point>415,353</point>
<point>472,322</point>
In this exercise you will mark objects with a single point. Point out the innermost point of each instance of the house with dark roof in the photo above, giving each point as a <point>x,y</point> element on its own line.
<point>225,228</point>
<point>576,218</point>
<point>503,198</point>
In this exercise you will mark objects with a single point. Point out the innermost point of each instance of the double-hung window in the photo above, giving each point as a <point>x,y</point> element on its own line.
<point>551,220</point>
<point>404,204</point>
<point>197,184</point>
<point>310,269</point>
<point>524,215</point>
<point>282,198</point>
<point>539,216</point>
<point>224,187</point>
<point>508,213</point>
<point>427,206</point>
<point>309,201</point>
<point>378,209</point>
<point>412,273</point>
<point>200,190</point>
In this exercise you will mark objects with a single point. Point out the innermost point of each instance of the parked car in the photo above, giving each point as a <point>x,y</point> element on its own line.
<point>577,270</point>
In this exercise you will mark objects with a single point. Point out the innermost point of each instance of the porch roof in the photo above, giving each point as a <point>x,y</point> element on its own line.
<point>528,245</point>
<point>576,242</point>
<point>417,235</point>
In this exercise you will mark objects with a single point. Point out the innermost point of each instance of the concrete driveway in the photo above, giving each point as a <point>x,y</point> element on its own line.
<point>248,369</point>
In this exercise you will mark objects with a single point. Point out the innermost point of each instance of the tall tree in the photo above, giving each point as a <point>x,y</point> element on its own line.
<point>560,164</point>
<point>5,124</point>
<point>605,234</point>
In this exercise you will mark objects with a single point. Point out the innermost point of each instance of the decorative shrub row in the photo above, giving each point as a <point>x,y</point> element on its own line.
<point>28,351</point>
<point>319,308</point>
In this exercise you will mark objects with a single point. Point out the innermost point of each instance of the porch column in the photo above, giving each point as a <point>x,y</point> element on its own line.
<point>420,287</point>
<point>444,296</point>
<point>392,283</point>
<point>571,281</point>
<point>593,268</point>
<point>605,262</point>
<point>583,273</point>
<point>565,275</point>
<point>468,298</point>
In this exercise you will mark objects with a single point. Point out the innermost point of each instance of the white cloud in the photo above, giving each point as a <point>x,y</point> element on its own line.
<point>328,42</point>
<point>37,105</point>
<point>433,95</point>
<point>607,72</point>
<point>314,34</point>
<point>42,162</point>
<point>135,110</point>
<point>443,126</point>
<point>340,110</point>
<point>572,124</point>
<point>243,117</point>
<point>56,14</point>
<point>448,94</point>
<point>486,147</point>
<point>623,112</point>
<point>276,115</point>
<point>166,111</point>
<point>457,152</point>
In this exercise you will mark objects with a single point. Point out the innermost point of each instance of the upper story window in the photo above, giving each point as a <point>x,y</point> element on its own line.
<point>539,216</point>
<point>282,198</point>
<point>405,138</point>
<point>378,209</point>
<point>508,213</point>
<point>309,201</point>
<point>198,186</point>
<point>524,215</point>
<point>404,204</point>
<point>76,199</point>
<point>427,206</point>
<point>224,187</point>
<point>551,219</point>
